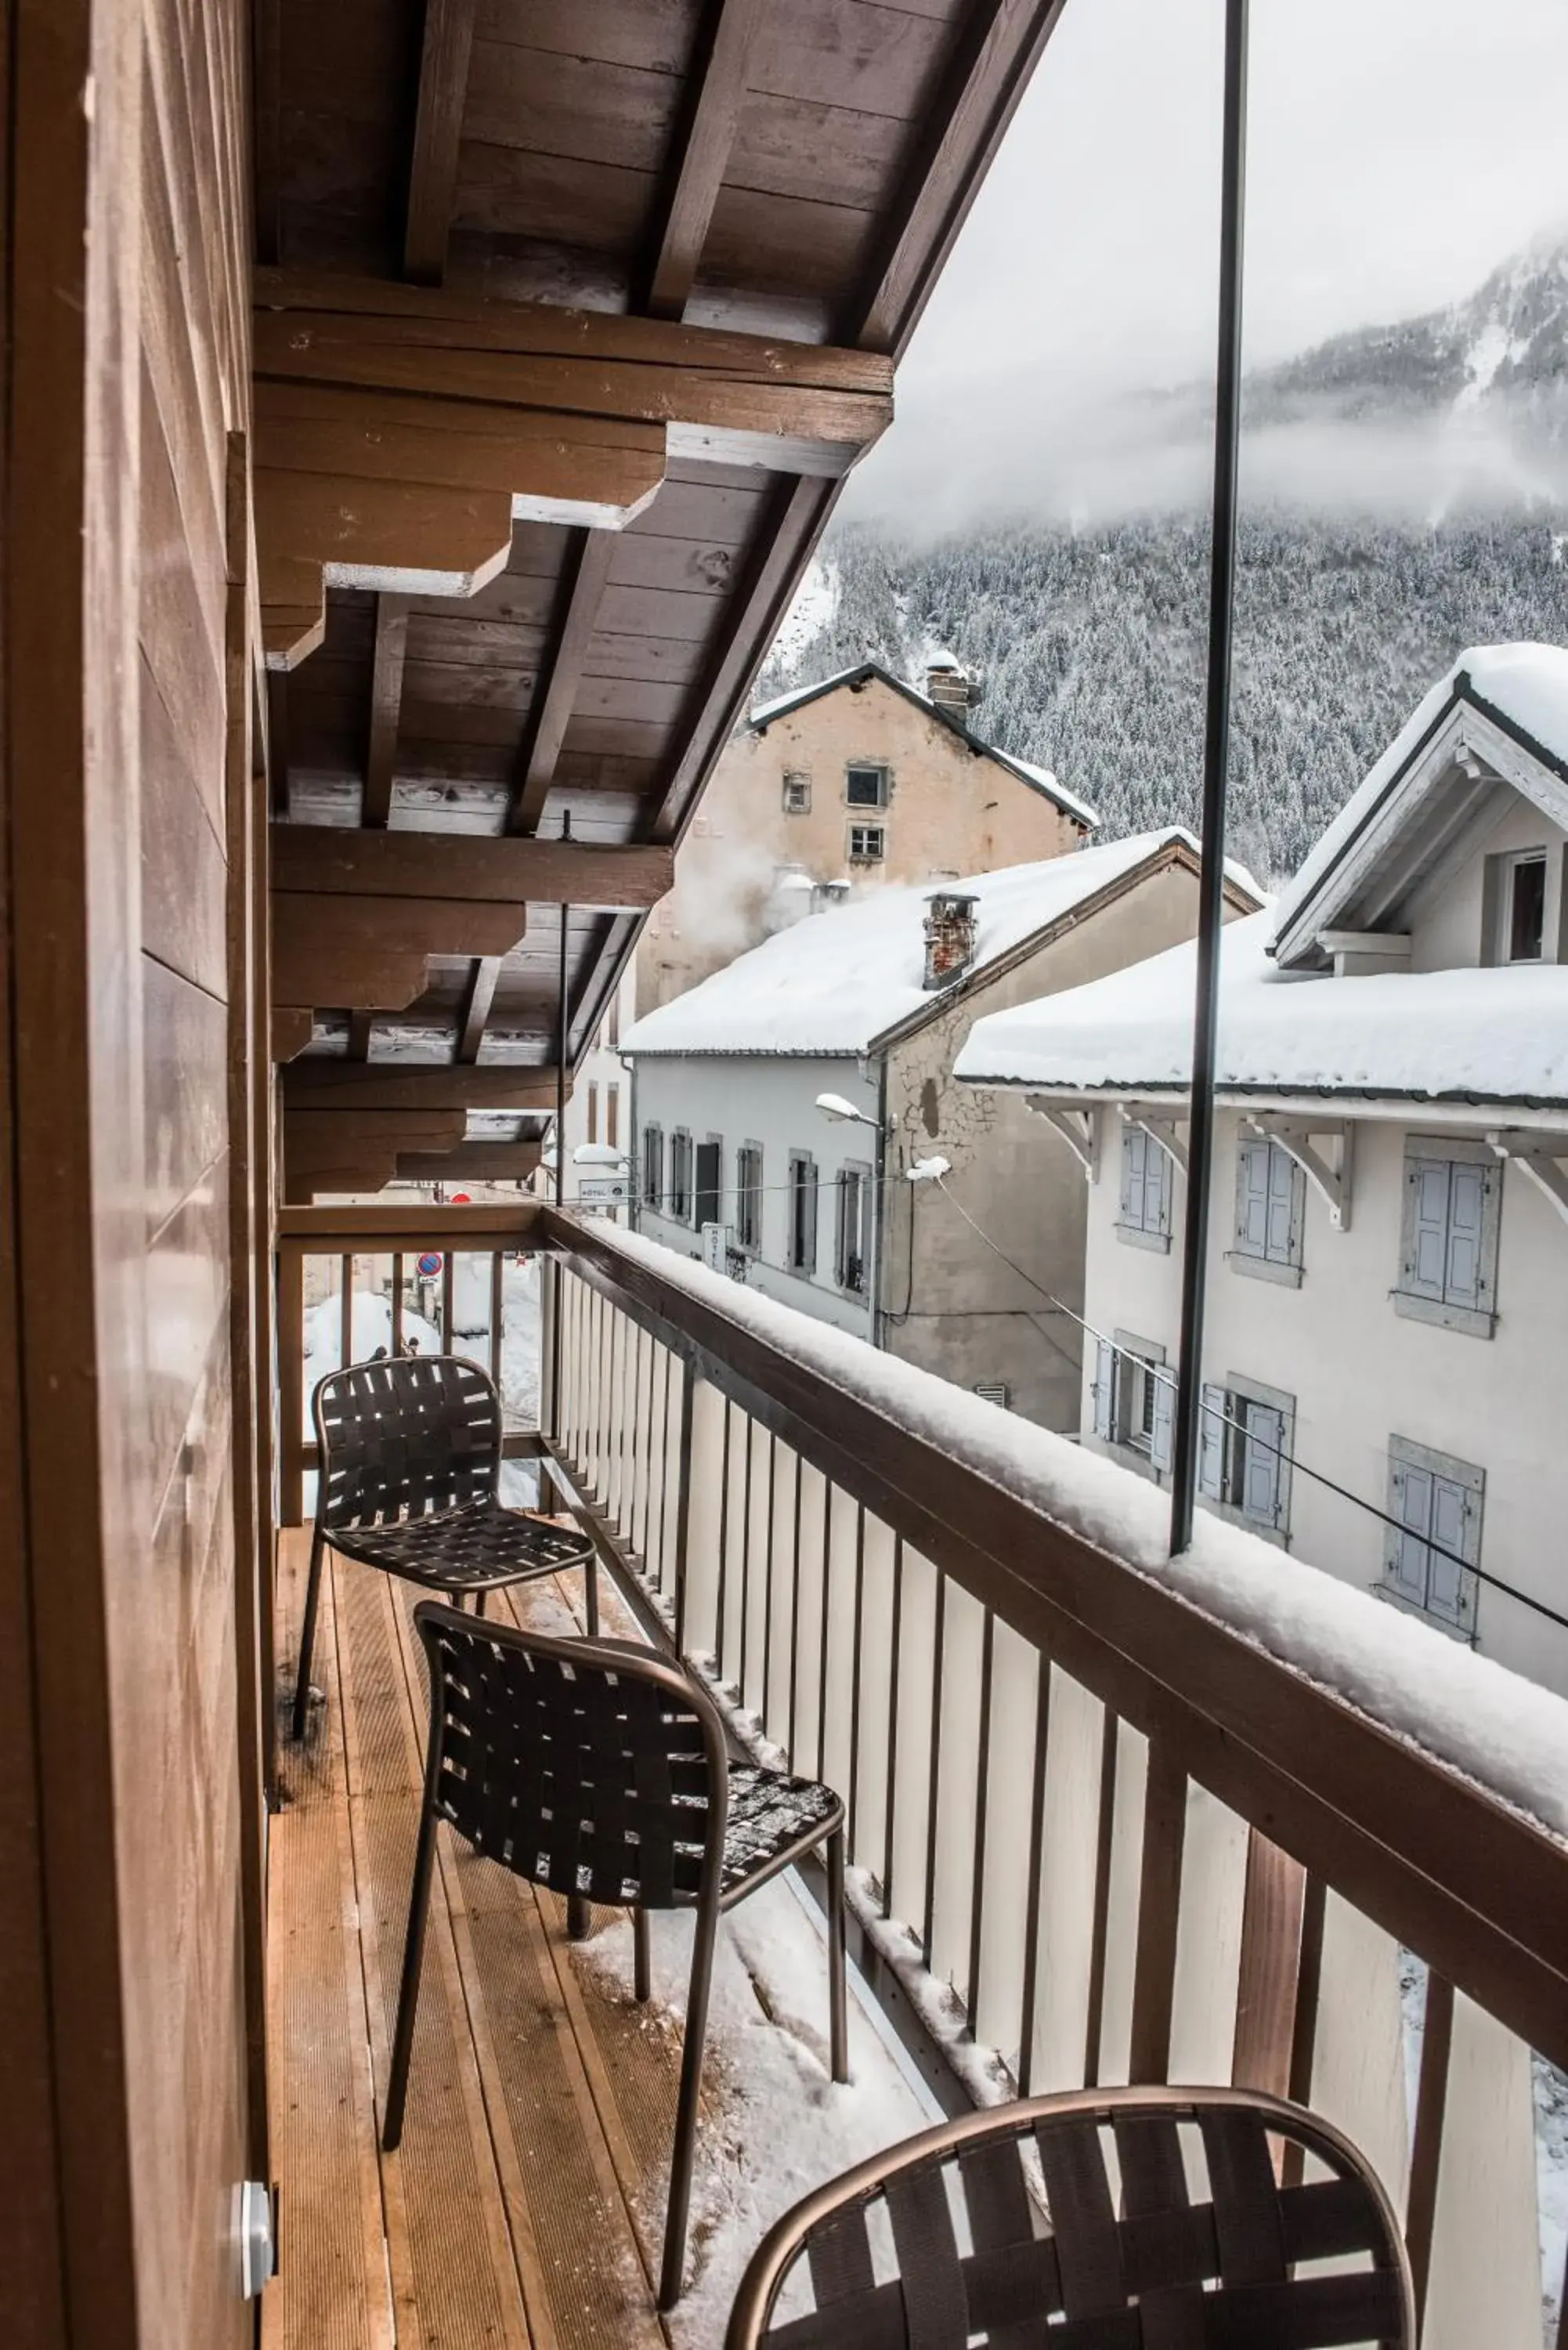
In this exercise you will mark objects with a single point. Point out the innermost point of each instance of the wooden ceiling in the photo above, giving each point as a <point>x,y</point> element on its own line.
<point>571,316</point>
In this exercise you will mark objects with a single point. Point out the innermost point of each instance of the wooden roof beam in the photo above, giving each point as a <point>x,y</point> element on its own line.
<point>350,1089</point>
<point>583,588</point>
<point>341,862</point>
<point>437,129</point>
<point>362,953</point>
<point>474,1162</point>
<point>386,702</point>
<point>328,1150</point>
<point>717,89</point>
<point>400,431</point>
<point>475,1015</point>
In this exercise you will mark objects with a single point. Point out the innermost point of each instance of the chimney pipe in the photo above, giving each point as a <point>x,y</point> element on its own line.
<point>950,929</point>
<point>949,687</point>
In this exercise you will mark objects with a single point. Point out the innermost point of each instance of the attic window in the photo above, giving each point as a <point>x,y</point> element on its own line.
<point>797,794</point>
<point>1527,907</point>
<point>865,786</point>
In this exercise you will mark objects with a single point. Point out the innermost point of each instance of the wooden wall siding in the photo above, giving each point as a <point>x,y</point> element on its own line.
<point>131,369</point>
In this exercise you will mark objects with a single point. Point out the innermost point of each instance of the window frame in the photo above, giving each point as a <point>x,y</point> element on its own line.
<point>798,780</point>
<point>882,784</point>
<point>1124,1391</point>
<point>1141,1234</point>
<point>748,1227</point>
<point>1265,1265</point>
<point>877,855</point>
<point>802,1181</point>
<point>856,1171</point>
<point>1431,1302</point>
<point>652,1165</point>
<point>682,1188</point>
<point>1404,1454</point>
<point>1225,1493</point>
<point>715,1143</point>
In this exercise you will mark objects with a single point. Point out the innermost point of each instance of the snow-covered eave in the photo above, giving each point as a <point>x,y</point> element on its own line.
<point>836,1052</point>
<point>1478,1112</point>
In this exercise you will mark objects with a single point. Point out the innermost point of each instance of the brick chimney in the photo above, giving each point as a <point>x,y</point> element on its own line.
<point>948,686</point>
<point>950,936</point>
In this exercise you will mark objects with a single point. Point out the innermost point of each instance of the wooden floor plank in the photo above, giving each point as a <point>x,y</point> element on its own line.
<point>331,2291</point>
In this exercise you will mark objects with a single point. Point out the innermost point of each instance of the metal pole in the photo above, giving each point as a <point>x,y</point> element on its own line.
<point>1216,766</point>
<point>561,1039</point>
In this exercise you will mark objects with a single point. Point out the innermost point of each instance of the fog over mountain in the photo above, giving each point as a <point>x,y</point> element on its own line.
<point>1404,494</point>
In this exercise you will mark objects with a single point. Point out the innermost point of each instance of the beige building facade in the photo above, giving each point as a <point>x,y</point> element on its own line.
<point>833,792</point>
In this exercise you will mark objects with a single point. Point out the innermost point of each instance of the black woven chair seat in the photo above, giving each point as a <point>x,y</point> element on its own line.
<point>769,1813</point>
<point>477,1548</point>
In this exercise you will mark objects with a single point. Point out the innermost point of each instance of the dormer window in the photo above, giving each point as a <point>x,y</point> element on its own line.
<point>1524,934</point>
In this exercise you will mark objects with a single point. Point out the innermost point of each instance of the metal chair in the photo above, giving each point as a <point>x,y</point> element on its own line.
<point>1041,2238</point>
<point>597,1768</point>
<point>410,1454</point>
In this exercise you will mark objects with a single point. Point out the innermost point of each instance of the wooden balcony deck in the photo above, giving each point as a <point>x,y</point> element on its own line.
<point>523,2208</point>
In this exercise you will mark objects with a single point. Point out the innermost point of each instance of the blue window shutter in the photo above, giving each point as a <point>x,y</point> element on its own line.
<point>1466,1200</point>
<point>1162,1437</point>
<point>1413,1507</point>
<point>1445,1582</point>
<point>1253,1235</point>
<point>1156,1189</point>
<point>1261,1462</point>
<point>1426,1265</point>
<point>1212,1435</point>
<point>1133,1141</point>
<point>1104,1388</point>
<point>1281,1179</point>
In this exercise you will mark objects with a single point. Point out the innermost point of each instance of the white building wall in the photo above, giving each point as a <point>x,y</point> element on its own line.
<point>1361,1373</point>
<point>771,1102</point>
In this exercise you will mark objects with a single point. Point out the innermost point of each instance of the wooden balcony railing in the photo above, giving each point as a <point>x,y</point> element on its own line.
<point>1101,1834</point>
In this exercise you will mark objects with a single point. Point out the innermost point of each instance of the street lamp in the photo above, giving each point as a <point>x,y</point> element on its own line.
<point>842,1112</point>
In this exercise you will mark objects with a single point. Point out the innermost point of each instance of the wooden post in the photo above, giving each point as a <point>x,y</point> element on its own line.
<point>291,1385</point>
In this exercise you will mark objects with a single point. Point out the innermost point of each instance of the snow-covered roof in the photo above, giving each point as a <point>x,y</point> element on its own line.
<point>1039,779</point>
<point>1498,1035</point>
<point>834,983</point>
<point>1523,688</point>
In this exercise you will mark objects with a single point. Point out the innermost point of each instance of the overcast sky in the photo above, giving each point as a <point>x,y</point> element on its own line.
<point>1397,151</point>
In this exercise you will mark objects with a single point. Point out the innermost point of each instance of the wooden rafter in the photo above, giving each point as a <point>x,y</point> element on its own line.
<point>438,128</point>
<point>475,1162</point>
<point>718,85</point>
<point>359,1027</point>
<point>337,861</point>
<point>386,702</point>
<point>331,1150</point>
<point>474,1016</point>
<point>353,1088</point>
<point>367,953</point>
<point>583,587</point>
<point>399,431</point>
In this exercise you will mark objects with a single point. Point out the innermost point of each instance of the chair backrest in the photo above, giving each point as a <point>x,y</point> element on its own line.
<point>1136,2216</point>
<point>405,1436</point>
<point>590,1766</point>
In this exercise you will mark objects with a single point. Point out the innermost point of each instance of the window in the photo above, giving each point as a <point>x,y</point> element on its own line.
<point>652,1167</point>
<point>1437,1501</point>
<point>865,844</point>
<point>680,1203</point>
<point>749,1197</point>
<point>1448,1269</point>
<point>1525,936</point>
<point>802,1212</point>
<point>853,1247</point>
<point>1145,1215</point>
<point>1270,1196</point>
<point>865,786</point>
<point>1245,1435</point>
<point>612,1116</point>
<point>1134,1398</point>
<point>710,1179</point>
<point>593,1113</point>
<point>797,794</point>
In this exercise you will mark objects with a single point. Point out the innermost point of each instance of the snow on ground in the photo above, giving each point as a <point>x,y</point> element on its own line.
<point>1467,1710</point>
<point>1475,1034</point>
<point>832,983</point>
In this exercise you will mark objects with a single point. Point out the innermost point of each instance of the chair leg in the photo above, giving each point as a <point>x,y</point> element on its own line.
<point>307,1630</point>
<point>579,1917</point>
<point>683,2155</point>
<point>837,1997</point>
<point>479,1598</point>
<point>641,1968</point>
<point>408,1989</point>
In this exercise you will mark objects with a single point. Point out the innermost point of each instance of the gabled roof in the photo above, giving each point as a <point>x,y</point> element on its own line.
<point>1462,1036</point>
<point>844,983</point>
<point>1039,779</point>
<point>1502,711</point>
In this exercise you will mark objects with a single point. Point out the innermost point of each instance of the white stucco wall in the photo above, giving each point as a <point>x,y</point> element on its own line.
<point>1447,924</point>
<point>772,1102</point>
<point>1360,1373</point>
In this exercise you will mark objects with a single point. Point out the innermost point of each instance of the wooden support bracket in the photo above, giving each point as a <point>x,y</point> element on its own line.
<point>400,430</point>
<point>1079,1129</point>
<point>1543,1158</point>
<point>1159,1129</point>
<point>1298,1140</point>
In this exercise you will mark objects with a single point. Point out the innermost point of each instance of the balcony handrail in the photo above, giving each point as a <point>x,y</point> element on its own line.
<point>1441,1863</point>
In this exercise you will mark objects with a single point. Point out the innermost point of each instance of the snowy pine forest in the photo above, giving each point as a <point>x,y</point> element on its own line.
<point>1089,639</point>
